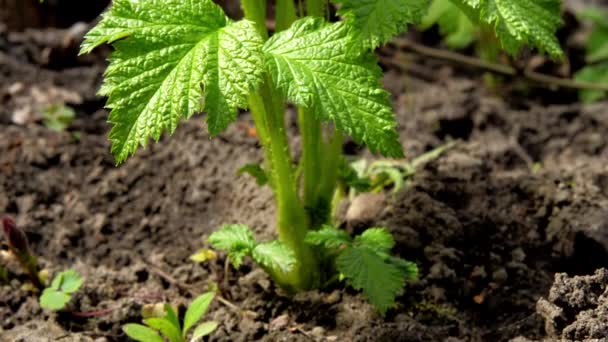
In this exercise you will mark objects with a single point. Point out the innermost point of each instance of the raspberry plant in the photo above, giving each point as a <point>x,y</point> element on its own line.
<point>174,58</point>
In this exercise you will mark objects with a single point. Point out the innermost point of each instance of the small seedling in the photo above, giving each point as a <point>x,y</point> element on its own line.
<point>596,54</point>
<point>58,295</point>
<point>366,262</point>
<point>169,325</point>
<point>58,117</point>
<point>175,58</point>
<point>361,176</point>
<point>19,246</point>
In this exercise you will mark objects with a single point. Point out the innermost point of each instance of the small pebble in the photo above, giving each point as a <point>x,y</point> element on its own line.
<point>279,322</point>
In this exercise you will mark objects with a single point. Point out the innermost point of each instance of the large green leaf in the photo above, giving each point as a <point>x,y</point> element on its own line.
<point>312,64</point>
<point>166,53</point>
<point>519,22</point>
<point>377,21</point>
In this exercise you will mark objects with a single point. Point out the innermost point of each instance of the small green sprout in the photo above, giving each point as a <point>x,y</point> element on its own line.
<point>360,176</point>
<point>19,246</point>
<point>58,295</point>
<point>169,325</point>
<point>58,117</point>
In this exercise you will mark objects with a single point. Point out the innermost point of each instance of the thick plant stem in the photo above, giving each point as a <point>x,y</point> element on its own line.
<point>316,7</point>
<point>292,221</point>
<point>285,14</point>
<point>255,10</point>
<point>320,159</point>
<point>311,159</point>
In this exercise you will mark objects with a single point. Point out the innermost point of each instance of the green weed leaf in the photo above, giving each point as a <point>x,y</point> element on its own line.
<point>274,255</point>
<point>166,53</point>
<point>70,281</point>
<point>203,329</point>
<point>165,327</point>
<point>311,63</point>
<point>595,73</point>
<point>196,310</point>
<point>52,299</point>
<point>377,239</point>
<point>171,316</point>
<point>141,333</point>
<point>519,22</point>
<point>369,271</point>
<point>456,27</point>
<point>597,42</point>
<point>328,237</point>
<point>256,171</point>
<point>235,239</point>
<point>377,21</point>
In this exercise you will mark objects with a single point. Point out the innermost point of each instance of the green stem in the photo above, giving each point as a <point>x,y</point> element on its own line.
<point>488,49</point>
<point>310,130</point>
<point>292,221</point>
<point>315,8</point>
<point>285,14</point>
<point>331,165</point>
<point>255,10</point>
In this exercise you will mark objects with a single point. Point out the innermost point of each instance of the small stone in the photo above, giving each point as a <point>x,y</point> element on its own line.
<point>518,254</point>
<point>332,298</point>
<point>279,323</point>
<point>318,332</point>
<point>331,338</point>
<point>500,275</point>
<point>365,207</point>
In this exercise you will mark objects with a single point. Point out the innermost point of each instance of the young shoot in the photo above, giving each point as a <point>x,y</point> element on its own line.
<point>170,327</point>
<point>59,293</point>
<point>175,58</point>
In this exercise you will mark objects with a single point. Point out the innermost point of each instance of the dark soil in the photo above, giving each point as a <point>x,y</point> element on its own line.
<point>496,224</point>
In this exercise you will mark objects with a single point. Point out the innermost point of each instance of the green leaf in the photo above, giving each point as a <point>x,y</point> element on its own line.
<point>377,239</point>
<point>203,255</point>
<point>351,178</point>
<point>256,171</point>
<point>595,73</point>
<point>171,316</point>
<point>165,327</point>
<point>597,45</point>
<point>377,21</point>
<point>236,239</point>
<point>57,281</point>
<point>203,329</point>
<point>519,22</point>
<point>71,281</point>
<point>52,299</point>
<point>274,255</point>
<point>456,27</point>
<point>409,269</point>
<point>164,51</point>
<point>311,64</point>
<point>595,14</point>
<point>141,333</point>
<point>196,310</point>
<point>328,237</point>
<point>366,270</point>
